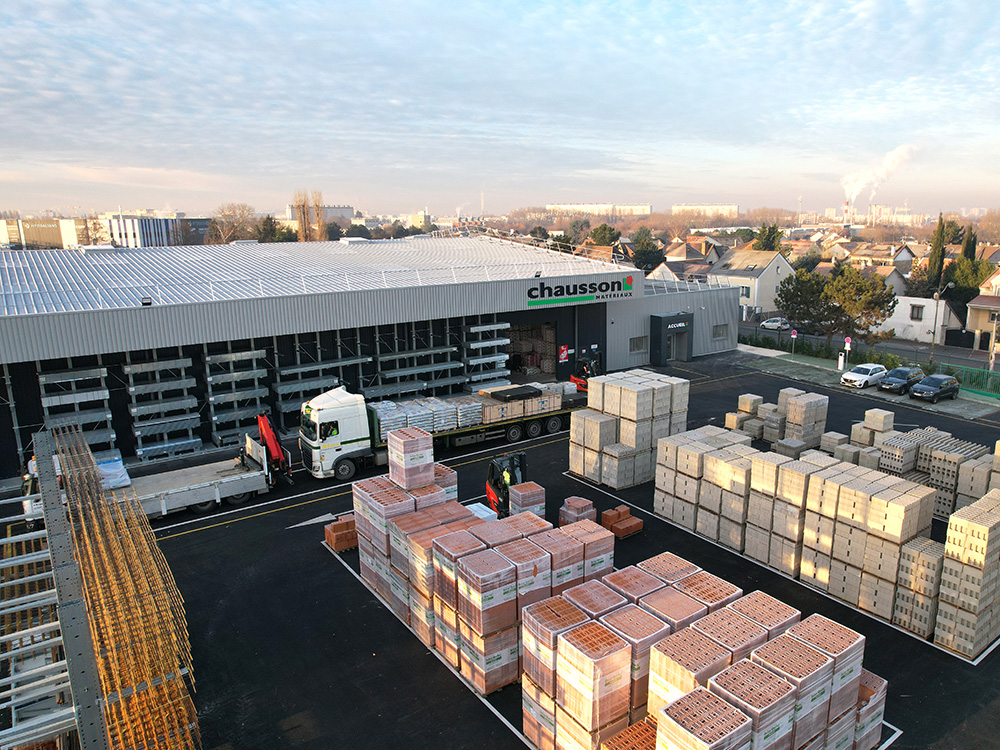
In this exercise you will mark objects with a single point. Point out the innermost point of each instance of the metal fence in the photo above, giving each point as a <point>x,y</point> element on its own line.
<point>984,382</point>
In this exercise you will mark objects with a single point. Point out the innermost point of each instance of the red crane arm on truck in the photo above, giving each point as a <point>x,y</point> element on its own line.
<point>276,457</point>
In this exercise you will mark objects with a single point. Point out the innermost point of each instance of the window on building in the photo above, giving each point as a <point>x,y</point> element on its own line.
<point>993,317</point>
<point>720,331</point>
<point>916,312</point>
<point>745,291</point>
<point>638,344</point>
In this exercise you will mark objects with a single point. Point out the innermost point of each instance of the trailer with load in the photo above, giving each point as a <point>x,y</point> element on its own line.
<point>339,432</point>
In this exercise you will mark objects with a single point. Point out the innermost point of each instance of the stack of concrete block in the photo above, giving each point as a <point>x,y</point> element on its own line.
<point>702,720</point>
<point>760,505</point>
<point>788,515</point>
<point>968,617</point>
<point>576,509</point>
<point>592,685</point>
<point>633,583</point>
<point>527,497</point>
<point>974,479</point>
<point>680,663</point>
<point>918,584</point>
<point>946,460</point>
<point>598,547</point>
<point>870,711</point>
<point>829,441</point>
<point>773,422</point>
<point>810,672</point>
<point>618,466</point>
<point>765,697</point>
<point>640,629</point>
<point>746,410</point>
<point>567,558</point>
<point>806,418</point>
<point>595,599</point>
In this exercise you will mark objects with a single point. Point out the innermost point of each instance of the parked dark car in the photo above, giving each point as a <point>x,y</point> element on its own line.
<point>935,387</point>
<point>900,379</point>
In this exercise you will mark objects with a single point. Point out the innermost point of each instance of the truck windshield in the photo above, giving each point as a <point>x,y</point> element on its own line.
<point>307,427</point>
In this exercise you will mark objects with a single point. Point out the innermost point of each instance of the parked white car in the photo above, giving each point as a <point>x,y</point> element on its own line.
<point>863,376</point>
<point>776,324</point>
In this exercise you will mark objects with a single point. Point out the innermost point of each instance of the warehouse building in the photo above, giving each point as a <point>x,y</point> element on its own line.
<point>161,351</point>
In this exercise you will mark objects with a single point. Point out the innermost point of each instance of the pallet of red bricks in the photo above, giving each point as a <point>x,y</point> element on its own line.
<point>342,534</point>
<point>620,522</point>
<point>613,440</point>
<point>576,509</point>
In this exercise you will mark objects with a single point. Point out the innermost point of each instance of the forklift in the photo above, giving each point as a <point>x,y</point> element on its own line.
<point>586,367</point>
<point>501,473</point>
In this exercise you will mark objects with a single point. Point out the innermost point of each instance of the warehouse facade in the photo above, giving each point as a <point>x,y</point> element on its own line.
<point>162,351</point>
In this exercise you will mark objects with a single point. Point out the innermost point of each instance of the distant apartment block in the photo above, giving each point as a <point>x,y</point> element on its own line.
<point>37,234</point>
<point>138,229</point>
<point>330,213</point>
<point>601,209</point>
<point>725,210</point>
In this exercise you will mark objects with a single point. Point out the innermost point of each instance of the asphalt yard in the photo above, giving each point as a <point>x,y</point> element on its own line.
<point>291,650</point>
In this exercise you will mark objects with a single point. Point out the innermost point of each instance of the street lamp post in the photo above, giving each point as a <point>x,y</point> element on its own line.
<point>937,303</point>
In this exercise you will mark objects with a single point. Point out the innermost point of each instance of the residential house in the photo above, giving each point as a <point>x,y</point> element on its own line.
<point>983,312</point>
<point>680,270</point>
<point>686,251</point>
<point>756,273</point>
<point>882,255</point>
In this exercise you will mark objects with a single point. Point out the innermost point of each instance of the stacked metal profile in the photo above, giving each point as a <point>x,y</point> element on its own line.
<point>702,720</point>
<point>527,497</point>
<point>968,616</point>
<point>592,685</point>
<point>613,441</point>
<point>870,711</point>
<point>763,696</point>
<point>598,547</point>
<point>918,584</point>
<point>641,630</point>
<point>567,558</point>
<point>488,620</point>
<point>810,672</point>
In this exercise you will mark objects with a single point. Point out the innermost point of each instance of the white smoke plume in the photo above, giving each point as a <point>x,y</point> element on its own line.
<point>857,181</point>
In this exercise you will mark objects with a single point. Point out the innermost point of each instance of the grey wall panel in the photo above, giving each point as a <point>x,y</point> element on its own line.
<point>50,336</point>
<point>710,307</point>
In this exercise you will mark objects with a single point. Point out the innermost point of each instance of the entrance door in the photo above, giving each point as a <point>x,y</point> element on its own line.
<point>668,348</point>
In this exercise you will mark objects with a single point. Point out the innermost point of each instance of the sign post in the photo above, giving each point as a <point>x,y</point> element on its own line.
<point>795,335</point>
<point>847,347</point>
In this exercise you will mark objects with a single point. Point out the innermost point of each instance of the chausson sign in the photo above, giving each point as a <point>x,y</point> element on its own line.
<point>545,294</point>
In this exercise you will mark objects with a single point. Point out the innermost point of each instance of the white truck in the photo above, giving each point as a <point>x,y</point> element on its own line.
<point>340,433</point>
<point>198,488</point>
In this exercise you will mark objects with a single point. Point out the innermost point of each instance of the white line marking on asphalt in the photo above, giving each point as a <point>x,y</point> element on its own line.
<point>325,518</point>
<point>434,652</point>
<point>879,620</point>
<point>896,734</point>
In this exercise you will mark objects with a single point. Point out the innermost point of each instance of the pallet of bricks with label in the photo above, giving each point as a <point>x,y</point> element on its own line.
<point>665,655</point>
<point>612,441</point>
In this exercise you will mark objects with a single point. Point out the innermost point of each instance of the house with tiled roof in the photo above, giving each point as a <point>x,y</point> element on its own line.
<point>983,311</point>
<point>756,273</point>
<point>882,255</point>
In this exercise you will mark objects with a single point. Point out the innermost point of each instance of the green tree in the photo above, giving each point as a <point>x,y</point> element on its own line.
<point>954,233</point>
<point>578,229</point>
<point>768,239</point>
<point>358,230</point>
<point>745,234</point>
<point>800,297</point>
<point>969,244</point>
<point>865,303</point>
<point>562,242</point>
<point>645,254</point>
<point>267,230</point>
<point>539,232</point>
<point>918,285</point>
<point>809,261</point>
<point>967,276</point>
<point>333,231</point>
<point>605,235</point>
<point>935,259</point>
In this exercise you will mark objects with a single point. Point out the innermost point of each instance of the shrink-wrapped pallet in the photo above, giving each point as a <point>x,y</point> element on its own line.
<point>810,672</point>
<point>533,569</point>
<point>576,509</point>
<point>400,529</point>
<point>567,558</point>
<point>411,457</point>
<point>420,557</point>
<point>487,592</point>
<point>847,650</point>
<point>595,598</point>
<point>372,569</point>
<point>570,735</point>
<point>446,477</point>
<point>399,595</point>
<point>771,614</point>
<point>639,735</point>
<point>870,711</point>
<point>447,641</point>
<point>495,533</point>
<point>701,720</point>
<point>527,497</point>
<point>732,631</point>
<point>489,662</point>
<point>528,524</point>
<point>592,675</point>
<point>668,567</point>
<point>422,618</point>
<point>640,629</point>
<point>840,730</point>
<point>378,509</point>
<point>539,715</point>
<point>765,697</point>
<point>633,583</point>
<point>598,547</point>
<point>680,663</point>
<point>448,550</point>
<point>541,624</point>
<point>428,496</point>
<point>710,590</point>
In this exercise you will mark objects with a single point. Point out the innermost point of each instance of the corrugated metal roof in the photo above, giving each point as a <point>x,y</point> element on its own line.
<point>33,282</point>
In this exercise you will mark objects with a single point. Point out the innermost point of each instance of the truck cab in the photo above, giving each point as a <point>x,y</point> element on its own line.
<point>334,433</point>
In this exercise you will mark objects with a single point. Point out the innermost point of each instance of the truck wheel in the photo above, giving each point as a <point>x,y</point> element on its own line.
<point>533,429</point>
<point>515,433</point>
<point>238,499</point>
<point>553,425</point>
<point>345,469</point>
<point>202,508</point>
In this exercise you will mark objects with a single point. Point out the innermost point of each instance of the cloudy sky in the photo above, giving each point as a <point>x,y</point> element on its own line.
<point>393,106</point>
